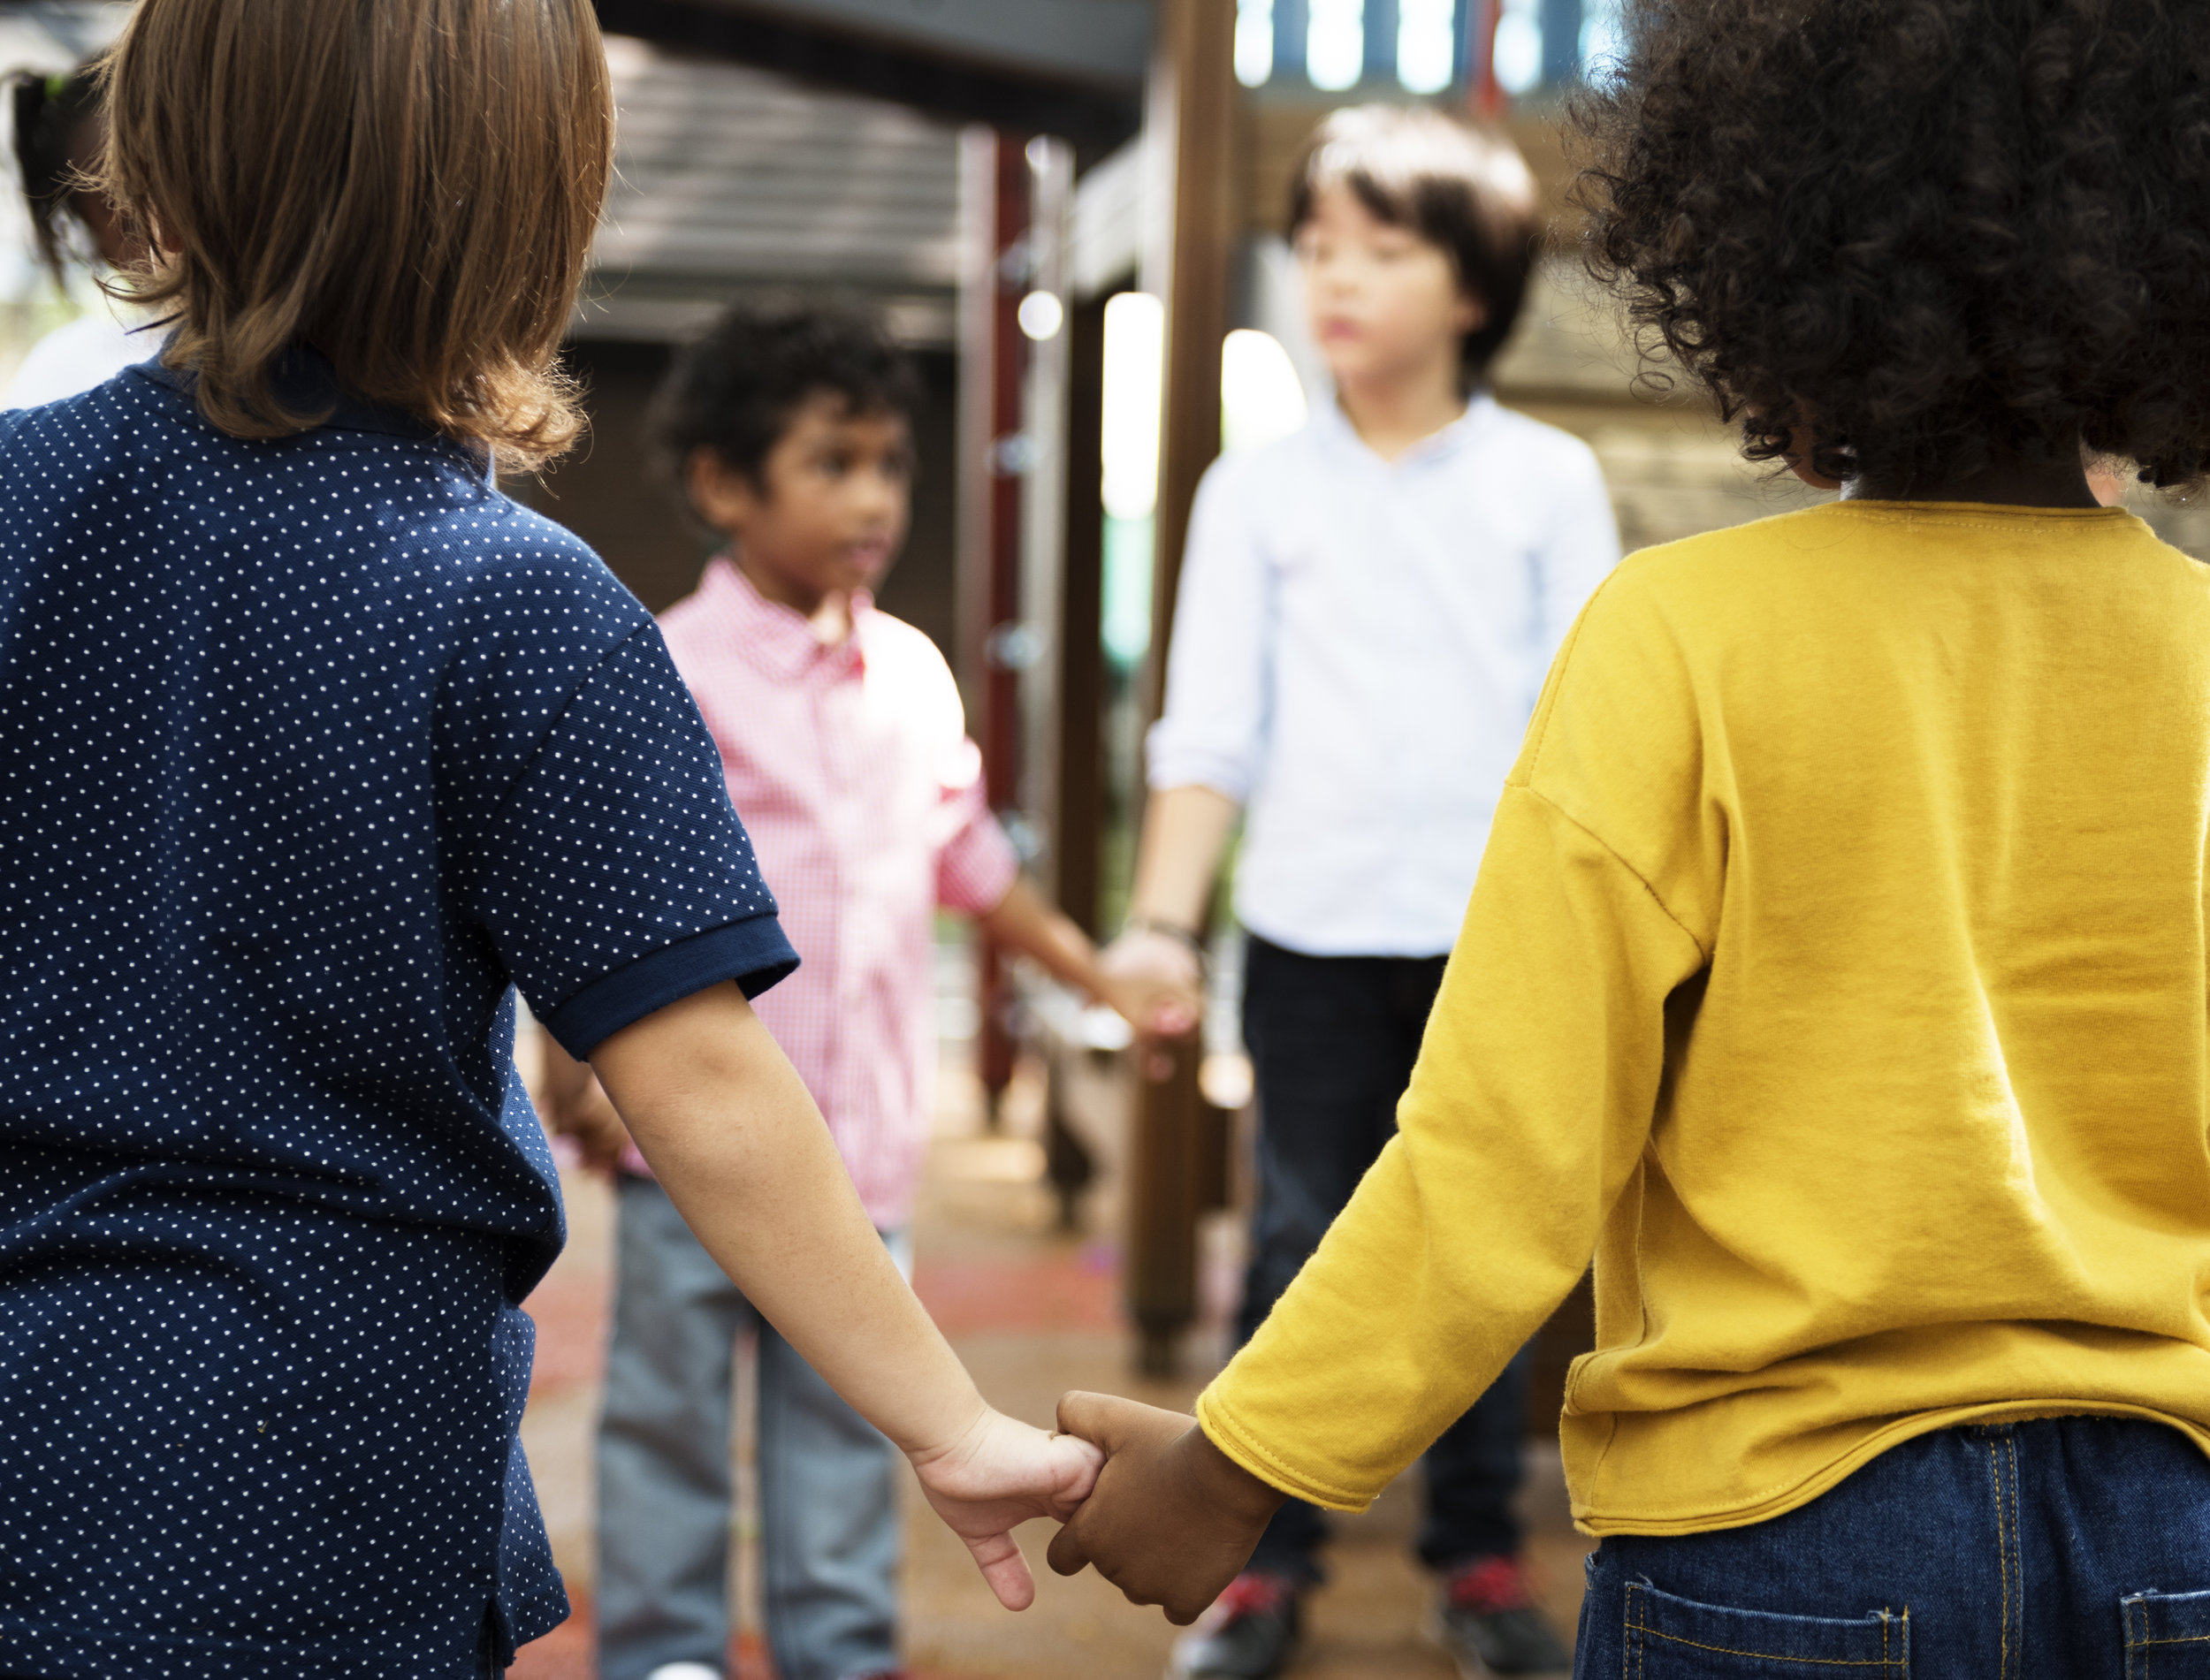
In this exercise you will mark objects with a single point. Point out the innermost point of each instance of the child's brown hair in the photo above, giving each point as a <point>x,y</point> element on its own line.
<point>1463,189</point>
<point>409,186</point>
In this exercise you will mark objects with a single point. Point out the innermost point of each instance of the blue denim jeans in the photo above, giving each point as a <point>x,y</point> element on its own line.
<point>1332,1041</point>
<point>2067,1548</point>
<point>829,1540</point>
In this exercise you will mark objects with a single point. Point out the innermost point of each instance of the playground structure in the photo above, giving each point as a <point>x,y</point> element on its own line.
<point>1066,208</point>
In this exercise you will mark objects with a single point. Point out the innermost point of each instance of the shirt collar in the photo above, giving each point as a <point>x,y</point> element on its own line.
<point>1334,426</point>
<point>777,638</point>
<point>305,382</point>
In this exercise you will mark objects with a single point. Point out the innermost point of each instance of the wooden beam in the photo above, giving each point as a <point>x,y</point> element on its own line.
<point>1193,99</point>
<point>1094,118</point>
<point>1191,121</point>
<point>1079,820</point>
<point>995,358</point>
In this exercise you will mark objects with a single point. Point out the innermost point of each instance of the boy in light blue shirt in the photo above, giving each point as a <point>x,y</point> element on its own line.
<point>1367,610</point>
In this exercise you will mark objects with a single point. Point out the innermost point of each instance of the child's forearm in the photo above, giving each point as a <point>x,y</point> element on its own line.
<point>1026,923</point>
<point>1184,831</point>
<point>738,1144</point>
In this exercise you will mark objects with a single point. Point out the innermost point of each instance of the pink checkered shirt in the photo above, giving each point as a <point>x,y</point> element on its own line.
<point>852,770</point>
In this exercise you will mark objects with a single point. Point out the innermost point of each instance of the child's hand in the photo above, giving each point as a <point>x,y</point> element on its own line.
<point>1155,981</point>
<point>1173,1518</point>
<point>998,1475</point>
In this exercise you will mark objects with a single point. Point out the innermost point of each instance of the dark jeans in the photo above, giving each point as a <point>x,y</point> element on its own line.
<point>2068,1549</point>
<point>1332,1041</point>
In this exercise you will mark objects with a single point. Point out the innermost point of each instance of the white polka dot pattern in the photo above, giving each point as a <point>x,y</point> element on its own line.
<point>307,749</point>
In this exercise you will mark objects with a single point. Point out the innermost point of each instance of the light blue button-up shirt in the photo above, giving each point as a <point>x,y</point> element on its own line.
<point>1358,646</point>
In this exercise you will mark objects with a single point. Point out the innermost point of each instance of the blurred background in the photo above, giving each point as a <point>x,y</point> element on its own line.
<point>1072,211</point>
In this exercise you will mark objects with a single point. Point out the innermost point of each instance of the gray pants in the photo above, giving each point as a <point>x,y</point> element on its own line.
<point>829,1538</point>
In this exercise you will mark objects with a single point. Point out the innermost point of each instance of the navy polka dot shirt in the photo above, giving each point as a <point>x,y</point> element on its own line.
<point>310,751</point>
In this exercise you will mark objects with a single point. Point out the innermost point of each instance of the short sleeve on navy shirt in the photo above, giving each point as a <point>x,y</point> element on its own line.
<point>615,876</point>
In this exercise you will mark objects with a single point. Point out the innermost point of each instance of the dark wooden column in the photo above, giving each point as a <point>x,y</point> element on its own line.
<point>1000,730</point>
<point>1196,80</point>
<point>1079,820</point>
<point>1193,110</point>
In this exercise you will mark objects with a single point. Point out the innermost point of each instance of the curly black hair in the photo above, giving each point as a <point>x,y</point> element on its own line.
<point>1934,236</point>
<point>737,388</point>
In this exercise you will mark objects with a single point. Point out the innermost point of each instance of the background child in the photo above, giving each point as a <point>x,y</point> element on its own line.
<point>315,747</point>
<point>1837,968</point>
<point>842,738</point>
<point>1366,614</point>
<point>59,129</point>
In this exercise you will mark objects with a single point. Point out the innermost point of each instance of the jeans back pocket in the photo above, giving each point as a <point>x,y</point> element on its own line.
<point>1675,1639</point>
<point>2167,1635</point>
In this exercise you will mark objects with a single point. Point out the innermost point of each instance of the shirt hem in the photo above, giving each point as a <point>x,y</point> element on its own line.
<point>755,952</point>
<point>1832,1474</point>
<point>68,1653</point>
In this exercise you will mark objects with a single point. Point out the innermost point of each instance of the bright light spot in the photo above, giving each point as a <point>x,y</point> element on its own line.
<point>1427,44</point>
<point>1125,631</point>
<point>1602,40</point>
<point>1135,373</point>
<point>1261,397</point>
<point>1518,51</point>
<point>1226,1079</point>
<point>1041,314</point>
<point>1335,43</point>
<point>1254,42</point>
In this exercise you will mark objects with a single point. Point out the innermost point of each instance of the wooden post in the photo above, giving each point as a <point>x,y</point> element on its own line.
<point>1165,1195</point>
<point>1190,119</point>
<point>996,357</point>
<point>1079,815</point>
<point>1195,82</point>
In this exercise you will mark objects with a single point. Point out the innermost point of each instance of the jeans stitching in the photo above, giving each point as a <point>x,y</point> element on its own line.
<point>1634,1645</point>
<point>1638,1648</point>
<point>1768,1656</point>
<point>2017,1544</point>
<point>2002,1553</point>
<point>2003,1566</point>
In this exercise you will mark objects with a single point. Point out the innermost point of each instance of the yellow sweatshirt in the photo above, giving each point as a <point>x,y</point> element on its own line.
<point>1837,976</point>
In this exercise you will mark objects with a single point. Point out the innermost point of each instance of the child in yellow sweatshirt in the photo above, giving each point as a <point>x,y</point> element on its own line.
<point>1836,974</point>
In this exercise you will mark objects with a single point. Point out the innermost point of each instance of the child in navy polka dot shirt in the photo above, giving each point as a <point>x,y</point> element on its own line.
<point>313,749</point>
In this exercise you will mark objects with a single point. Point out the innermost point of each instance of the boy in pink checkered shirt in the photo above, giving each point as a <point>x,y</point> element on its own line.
<point>845,749</point>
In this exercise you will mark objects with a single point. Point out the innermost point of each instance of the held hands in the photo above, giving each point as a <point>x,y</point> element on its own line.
<point>1155,981</point>
<point>1172,1519</point>
<point>996,1475</point>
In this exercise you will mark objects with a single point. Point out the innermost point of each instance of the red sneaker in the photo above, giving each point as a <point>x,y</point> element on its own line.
<point>1249,1634</point>
<point>1489,1624</point>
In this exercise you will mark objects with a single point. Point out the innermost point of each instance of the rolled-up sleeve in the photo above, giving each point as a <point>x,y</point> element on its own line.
<point>977,864</point>
<point>1213,733</point>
